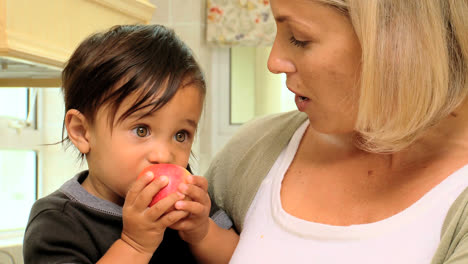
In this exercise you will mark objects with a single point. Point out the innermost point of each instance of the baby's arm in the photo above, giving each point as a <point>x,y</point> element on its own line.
<point>217,246</point>
<point>143,227</point>
<point>209,242</point>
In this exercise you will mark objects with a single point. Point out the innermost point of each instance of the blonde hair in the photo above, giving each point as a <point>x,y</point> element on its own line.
<point>414,66</point>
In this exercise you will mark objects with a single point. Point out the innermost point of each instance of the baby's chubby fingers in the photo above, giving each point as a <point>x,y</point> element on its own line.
<point>194,208</point>
<point>196,189</point>
<point>164,205</point>
<point>172,217</point>
<point>143,190</point>
<point>137,187</point>
<point>199,181</point>
<point>199,203</point>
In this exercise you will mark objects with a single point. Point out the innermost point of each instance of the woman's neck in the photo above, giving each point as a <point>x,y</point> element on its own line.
<point>449,138</point>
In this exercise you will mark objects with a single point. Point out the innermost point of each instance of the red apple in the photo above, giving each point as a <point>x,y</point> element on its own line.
<point>175,173</point>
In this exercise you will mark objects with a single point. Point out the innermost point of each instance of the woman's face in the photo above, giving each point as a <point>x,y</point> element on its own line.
<point>317,48</point>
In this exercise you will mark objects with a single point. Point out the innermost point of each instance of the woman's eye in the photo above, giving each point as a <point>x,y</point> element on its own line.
<point>298,43</point>
<point>181,136</point>
<point>141,131</point>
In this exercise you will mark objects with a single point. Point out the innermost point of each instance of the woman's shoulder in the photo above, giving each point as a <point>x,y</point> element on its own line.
<point>265,130</point>
<point>458,213</point>
<point>270,125</point>
<point>453,243</point>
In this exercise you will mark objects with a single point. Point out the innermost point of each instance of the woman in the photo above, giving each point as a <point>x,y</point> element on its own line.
<point>370,168</point>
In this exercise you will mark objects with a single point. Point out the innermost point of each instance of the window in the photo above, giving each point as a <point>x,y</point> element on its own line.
<point>243,89</point>
<point>30,119</point>
<point>14,103</point>
<point>19,148</point>
<point>18,181</point>
<point>254,90</point>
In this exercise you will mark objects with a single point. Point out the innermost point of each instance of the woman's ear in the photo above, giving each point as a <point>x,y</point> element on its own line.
<point>78,130</point>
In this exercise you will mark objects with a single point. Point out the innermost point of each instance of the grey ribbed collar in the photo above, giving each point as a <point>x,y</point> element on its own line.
<point>73,190</point>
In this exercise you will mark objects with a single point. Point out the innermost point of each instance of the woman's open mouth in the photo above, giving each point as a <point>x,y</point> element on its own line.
<point>301,102</point>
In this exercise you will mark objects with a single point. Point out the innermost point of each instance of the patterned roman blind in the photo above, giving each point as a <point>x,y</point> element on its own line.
<point>240,23</point>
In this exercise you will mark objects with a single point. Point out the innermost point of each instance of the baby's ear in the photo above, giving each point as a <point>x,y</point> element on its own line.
<point>78,130</point>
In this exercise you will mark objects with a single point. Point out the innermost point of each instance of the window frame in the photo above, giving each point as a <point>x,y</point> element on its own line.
<point>27,138</point>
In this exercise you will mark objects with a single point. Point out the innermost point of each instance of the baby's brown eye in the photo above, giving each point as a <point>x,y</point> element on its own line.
<point>180,136</point>
<point>141,131</point>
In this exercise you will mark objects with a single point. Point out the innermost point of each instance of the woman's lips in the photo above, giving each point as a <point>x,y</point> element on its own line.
<point>301,102</point>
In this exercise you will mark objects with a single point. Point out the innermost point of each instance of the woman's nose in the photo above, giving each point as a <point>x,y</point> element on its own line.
<point>278,61</point>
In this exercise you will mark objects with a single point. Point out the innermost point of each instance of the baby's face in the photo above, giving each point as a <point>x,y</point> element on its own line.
<point>118,155</point>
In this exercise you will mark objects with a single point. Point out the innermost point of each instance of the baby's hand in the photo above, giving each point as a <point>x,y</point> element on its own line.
<point>195,227</point>
<point>143,226</point>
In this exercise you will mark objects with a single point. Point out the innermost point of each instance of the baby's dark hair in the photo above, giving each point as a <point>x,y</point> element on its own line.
<point>109,66</point>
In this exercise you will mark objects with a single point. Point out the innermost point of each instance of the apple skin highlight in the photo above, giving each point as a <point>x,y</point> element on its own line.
<point>175,173</point>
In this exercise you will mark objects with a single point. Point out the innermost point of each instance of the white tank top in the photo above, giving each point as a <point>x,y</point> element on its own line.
<point>271,235</point>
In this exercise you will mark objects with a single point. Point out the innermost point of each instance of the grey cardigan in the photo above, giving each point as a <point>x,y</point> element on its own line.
<point>239,168</point>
